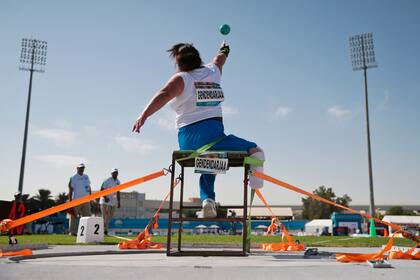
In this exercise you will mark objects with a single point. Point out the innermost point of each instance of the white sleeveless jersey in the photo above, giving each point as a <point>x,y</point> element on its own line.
<point>201,97</point>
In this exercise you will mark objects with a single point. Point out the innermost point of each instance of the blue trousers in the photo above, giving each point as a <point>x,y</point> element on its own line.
<point>196,135</point>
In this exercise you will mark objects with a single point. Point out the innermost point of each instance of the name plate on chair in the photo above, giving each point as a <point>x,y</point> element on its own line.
<point>212,163</point>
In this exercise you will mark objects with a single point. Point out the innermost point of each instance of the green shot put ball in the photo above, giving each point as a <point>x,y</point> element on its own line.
<point>225,29</point>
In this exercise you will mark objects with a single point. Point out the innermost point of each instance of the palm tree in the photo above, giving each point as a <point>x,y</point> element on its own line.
<point>61,198</point>
<point>44,198</point>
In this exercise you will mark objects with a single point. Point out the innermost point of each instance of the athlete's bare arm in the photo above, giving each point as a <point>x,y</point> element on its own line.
<point>220,58</point>
<point>173,88</point>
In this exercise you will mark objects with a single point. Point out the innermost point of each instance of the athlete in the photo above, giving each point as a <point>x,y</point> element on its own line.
<point>195,94</point>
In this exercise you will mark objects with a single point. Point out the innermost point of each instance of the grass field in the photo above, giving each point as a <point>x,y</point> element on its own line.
<point>313,241</point>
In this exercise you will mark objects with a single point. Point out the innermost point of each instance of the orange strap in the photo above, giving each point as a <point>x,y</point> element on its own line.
<point>393,254</point>
<point>314,196</point>
<point>290,245</point>
<point>76,202</point>
<point>353,257</point>
<point>261,197</point>
<point>24,252</point>
<point>143,239</point>
<point>283,246</point>
<point>408,255</point>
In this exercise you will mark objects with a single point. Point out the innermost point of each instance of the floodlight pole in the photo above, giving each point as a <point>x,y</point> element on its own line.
<point>25,136</point>
<point>363,58</point>
<point>372,200</point>
<point>32,59</point>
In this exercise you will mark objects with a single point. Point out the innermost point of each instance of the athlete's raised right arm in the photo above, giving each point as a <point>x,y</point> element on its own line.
<point>221,57</point>
<point>173,88</point>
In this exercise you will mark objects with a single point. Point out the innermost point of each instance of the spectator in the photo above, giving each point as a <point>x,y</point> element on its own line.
<point>108,202</point>
<point>79,186</point>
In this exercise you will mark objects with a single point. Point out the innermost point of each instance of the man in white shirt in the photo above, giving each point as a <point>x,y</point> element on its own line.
<point>108,202</point>
<point>79,186</point>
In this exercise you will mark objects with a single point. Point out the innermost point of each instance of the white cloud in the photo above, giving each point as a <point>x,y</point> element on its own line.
<point>229,111</point>
<point>62,124</point>
<point>282,111</point>
<point>338,112</point>
<point>60,137</point>
<point>92,130</point>
<point>59,161</point>
<point>135,146</point>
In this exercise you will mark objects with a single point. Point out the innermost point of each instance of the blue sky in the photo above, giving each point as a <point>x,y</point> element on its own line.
<point>288,83</point>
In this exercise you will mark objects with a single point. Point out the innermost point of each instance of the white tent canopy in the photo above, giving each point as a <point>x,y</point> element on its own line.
<point>316,226</point>
<point>201,226</point>
<point>405,220</point>
<point>262,227</point>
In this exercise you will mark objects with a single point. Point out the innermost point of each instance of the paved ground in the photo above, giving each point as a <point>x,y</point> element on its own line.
<point>115,264</point>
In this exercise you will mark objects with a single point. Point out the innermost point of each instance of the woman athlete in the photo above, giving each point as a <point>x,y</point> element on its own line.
<point>195,94</point>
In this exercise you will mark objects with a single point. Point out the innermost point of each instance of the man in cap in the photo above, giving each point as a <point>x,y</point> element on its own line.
<point>79,186</point>
<point>108,202</point>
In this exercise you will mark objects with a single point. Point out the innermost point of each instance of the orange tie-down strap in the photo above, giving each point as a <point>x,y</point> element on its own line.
<point>24,252</point>
<point>316,197</point>
<point>144,239</point>
<point>392,254</point>
<point>354,257</point>
<point>5,225</point>
<point>351,257</point>
<point>410,254</point>
<point>290,245</point>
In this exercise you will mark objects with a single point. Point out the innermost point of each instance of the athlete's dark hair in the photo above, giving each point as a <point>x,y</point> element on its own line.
<point>186,55</point>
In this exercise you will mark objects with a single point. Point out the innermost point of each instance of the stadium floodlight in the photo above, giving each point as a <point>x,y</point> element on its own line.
<point>363,57</point>
<point>362,52</point>
<point>33,58</point>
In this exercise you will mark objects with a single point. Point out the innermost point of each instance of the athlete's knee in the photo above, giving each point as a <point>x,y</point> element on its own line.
<point>257,153</point>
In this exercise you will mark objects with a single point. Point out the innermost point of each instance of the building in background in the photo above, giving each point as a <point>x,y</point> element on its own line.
<point>134,205</point>
<point>262,213</point>
<point>346,223</point>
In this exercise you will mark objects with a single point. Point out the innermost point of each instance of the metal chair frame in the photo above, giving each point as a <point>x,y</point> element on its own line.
<point>235,159</point>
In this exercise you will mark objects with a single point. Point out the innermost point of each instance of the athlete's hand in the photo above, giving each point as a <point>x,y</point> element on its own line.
<point>224,48</point>
<point>138,124</point>
<point>224,44</point>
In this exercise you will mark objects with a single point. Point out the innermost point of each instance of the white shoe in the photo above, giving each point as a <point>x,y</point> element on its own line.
<point>209,209</point>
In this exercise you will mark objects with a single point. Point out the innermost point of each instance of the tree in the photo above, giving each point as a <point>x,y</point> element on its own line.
<point>398,211</point>
<point>61,198</point>
<point>314,209</point>
<point>44,198</point>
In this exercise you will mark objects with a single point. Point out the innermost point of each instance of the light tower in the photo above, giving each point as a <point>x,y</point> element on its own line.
<point>33,58</point>
<point>363,58</point>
